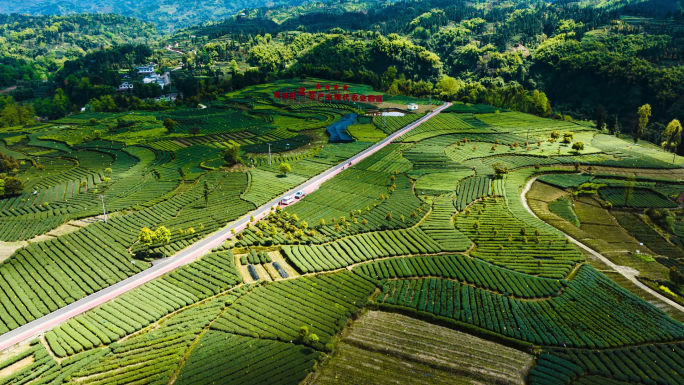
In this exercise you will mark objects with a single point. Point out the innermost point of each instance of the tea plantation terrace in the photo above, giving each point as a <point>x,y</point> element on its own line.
<point>190,253</point>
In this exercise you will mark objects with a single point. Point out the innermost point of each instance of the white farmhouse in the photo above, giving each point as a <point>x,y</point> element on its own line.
<point>145,70</point>
<point>126,86</point>
<point>162,80</point>
<point>412,107</point>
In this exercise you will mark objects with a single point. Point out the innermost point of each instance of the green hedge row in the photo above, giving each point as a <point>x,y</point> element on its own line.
<point>277,311</point>
<point>659,364</point>
<point>464,269</point>
<point>360,248</point>
<point>569,319</point>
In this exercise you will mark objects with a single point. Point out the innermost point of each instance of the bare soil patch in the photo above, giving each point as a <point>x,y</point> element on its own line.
<point>402,350</point>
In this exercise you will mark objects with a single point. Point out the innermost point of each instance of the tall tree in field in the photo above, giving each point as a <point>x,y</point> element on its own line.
<point>13,185</point>
<point>169,124</point>
<point>672,136</point>
<point>233,66</point>
<point>644,113</point>
<point>146,236</point>
<point>612,124</point>
<point>285,168</point>
<point>206,194</point>
<point>600,118</point>
<point>231,155</point>
<point>162,235</point>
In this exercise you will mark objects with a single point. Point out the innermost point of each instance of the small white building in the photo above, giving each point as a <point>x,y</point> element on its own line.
<point>168,98</point>
<point>145,70</point>
<point>126,86</point>
<point>412,107</point>
<point>162,80</point>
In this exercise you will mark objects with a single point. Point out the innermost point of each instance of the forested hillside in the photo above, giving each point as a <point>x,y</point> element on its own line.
<point>612,55</point>
<point>168,15</point>
<point>582,61</point>
<point>34,46</point>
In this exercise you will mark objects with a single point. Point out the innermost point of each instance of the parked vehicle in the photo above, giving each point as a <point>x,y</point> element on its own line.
<point>300,194</point>
<point>287,200</point>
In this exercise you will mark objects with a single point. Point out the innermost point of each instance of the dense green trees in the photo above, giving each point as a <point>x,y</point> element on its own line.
<point>284,168</point>
<point>570,61</point>
<point>160,236</point>
<point>10,186</point>
<point>37,45</point>
<point>15,114</point>
<point>169,124</point>
<point>231,155</point>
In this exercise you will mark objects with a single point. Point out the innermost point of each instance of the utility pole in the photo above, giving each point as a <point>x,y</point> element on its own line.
<point>104,211</point>
<point>269,154</point>
<point>430,103</point>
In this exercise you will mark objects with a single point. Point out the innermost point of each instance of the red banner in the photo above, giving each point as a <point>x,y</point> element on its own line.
<point>314,95</point>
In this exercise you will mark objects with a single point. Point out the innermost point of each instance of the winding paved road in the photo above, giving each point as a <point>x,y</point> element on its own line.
<point>34,328</point>
<point>625,271</point>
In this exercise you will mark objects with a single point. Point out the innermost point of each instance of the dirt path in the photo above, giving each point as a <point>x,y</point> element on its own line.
<point>8,89</point>
<point>15,367</point>
<point>625,271</point>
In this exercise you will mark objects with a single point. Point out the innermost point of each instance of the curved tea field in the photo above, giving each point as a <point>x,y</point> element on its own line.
<point>418,264</point>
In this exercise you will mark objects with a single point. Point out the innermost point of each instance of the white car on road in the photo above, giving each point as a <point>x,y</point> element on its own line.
<point>300,194</point>
<point>287,200</point>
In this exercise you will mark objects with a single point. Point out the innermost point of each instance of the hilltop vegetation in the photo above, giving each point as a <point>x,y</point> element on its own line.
<point>33,47</point>
<point>581,57</point>
<point>165,14</point>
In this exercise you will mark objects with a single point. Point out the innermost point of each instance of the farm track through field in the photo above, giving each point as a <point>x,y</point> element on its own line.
<point>196,250</point>
<point>625,271</point>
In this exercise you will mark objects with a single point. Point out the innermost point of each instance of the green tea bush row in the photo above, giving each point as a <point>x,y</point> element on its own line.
<point>278,311</point>
<point>210,275</point>
<point>440,227</point>
<point>563,208</point>
<point>228,358</point>
<point>653,364</point>
<point>504,240</point>
<point>636,198</point>
<point>647,235</point>
<point>466,270</point>
<point>577,318</point>
<point>360,248</point>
